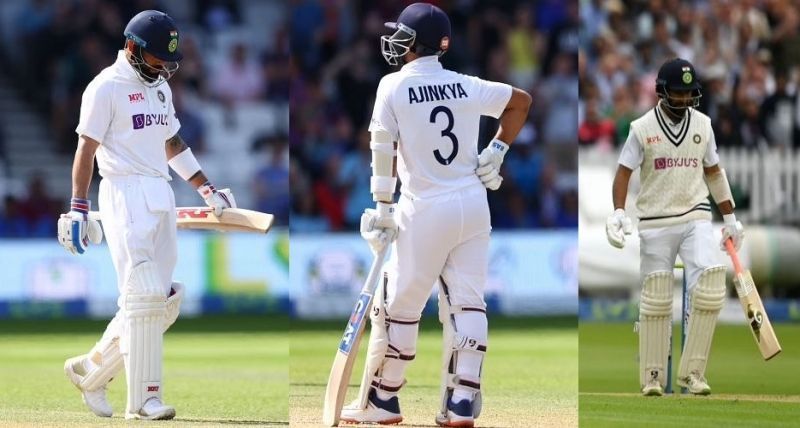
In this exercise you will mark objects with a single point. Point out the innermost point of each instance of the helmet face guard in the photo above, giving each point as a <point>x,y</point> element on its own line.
<point>669,102</point>
<point>398,44</point>
<point>149,75</point>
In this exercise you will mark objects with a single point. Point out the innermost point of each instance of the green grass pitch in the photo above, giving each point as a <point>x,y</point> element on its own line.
<point>230,371</point>
<point>530,373</point>
<point>746,390</point>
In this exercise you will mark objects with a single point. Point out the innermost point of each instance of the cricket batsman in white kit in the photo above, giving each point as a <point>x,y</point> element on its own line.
<point>428,117</point>
<point>128,121</point>
<point>674,147</point>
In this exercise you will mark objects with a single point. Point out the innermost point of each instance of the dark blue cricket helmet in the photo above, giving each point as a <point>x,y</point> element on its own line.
<point>422,27</point>
<point>678,74</point>
<point>154,32</point>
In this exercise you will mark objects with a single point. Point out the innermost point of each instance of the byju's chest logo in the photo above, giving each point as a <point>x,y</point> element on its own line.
<point>142,120</point>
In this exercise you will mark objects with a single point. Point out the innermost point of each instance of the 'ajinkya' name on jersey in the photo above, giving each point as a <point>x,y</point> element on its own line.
<point>130,121</point>
<point>434,115</point>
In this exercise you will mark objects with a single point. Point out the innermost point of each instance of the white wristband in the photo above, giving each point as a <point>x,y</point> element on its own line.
<point>184,164</point>
<point>382,184</point>
<point>729,218</point>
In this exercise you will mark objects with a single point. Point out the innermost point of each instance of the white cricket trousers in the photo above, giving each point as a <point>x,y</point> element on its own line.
<point>446,235</point>
<point>694,241</point>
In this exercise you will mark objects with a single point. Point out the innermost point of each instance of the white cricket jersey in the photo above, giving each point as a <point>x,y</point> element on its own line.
<point>130,121</point>
<point>671,157</point>
<point>434,115</point>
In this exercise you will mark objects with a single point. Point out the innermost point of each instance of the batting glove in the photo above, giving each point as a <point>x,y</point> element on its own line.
<point>378,226</point>
<point>734,230</point>
<point>617,226</point>
<point>75,230</point>
<point>217,199</point>
<point>489,162</point>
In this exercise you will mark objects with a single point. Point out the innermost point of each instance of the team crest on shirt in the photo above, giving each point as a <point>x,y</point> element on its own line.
<point>161,96</point>
<point>696,138</point>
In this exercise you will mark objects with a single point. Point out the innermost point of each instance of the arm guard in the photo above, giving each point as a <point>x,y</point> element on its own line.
<point>184,164</point>
<point>382,183</point>
<point>719,187</point>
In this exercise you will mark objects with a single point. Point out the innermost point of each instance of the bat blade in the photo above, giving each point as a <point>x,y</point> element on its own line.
<point>757,319</point>
<point>343,363</point>
<point>231,220</point>
<point>754,311</point>
<point>346,354</point>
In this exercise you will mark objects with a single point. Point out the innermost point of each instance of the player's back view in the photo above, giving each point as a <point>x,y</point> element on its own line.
<point>431,117</point>
<point>434,115</point>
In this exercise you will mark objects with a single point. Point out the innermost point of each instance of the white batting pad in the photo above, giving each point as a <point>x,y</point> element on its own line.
<point>655,326</point>
<point>708,298</point>
<point>106,356</point>
<point>462,354</point>
<point>145,314</point>
<point>378,343</point>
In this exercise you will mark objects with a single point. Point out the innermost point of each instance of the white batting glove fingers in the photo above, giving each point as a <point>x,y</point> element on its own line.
<point>382,217</point>
<point>493,154</point>
<point>378,226</point>
<point>617,226</point>
<point>489,176</point>
<point>217,199</point>
<point>733,230</point>
<point>74,226</point>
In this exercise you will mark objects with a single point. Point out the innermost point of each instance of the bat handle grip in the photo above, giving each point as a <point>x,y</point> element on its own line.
<point>737,266</point>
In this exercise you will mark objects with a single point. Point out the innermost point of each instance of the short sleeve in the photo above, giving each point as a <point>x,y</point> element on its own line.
<point>493,97</point>
<point>96,111</point>
<point>383,115</point>
<point>711,158</point>
<point>631,155</point>
<point>174,123</point>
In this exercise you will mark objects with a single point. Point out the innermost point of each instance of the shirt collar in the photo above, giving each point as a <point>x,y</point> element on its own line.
<point>424,63</point>
<point>124,66</point>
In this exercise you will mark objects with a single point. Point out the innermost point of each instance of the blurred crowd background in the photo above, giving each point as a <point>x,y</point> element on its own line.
<point>231,95</point>
<point>746,54</point>
<point>337,64</point>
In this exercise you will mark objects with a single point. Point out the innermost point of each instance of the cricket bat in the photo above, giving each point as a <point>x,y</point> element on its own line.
<point>754,310</point>
<point>231,220</point>
<point>345,358</point>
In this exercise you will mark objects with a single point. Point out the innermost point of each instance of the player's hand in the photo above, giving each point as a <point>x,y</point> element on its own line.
<point>217,199</point>
<point>490,177</point>
<point>75,230</point>
<point>617,226</point>
<point>489,162</point>
<point>378,226</point>
<point>734,230</point>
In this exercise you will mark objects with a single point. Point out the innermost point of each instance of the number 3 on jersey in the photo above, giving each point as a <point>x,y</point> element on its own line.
<point>445,133</point>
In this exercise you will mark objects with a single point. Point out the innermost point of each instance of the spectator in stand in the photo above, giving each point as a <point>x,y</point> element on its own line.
<point>239,79</point>
<point>777,117</point>
<point>39,209</point>
<point>595,129</point>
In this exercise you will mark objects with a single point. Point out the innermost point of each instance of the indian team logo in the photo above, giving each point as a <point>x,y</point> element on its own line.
<point>687,77</point>
<point>444,44</point>
<point>696,138</point>
<point>173,44</point>
<point>161,96</point>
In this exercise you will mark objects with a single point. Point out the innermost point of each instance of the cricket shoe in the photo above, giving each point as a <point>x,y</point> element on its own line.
<point>152,410</point>
<point>458,415</point>
<point>95,400</point>
<point>696,384</point>
<point>653,389</point>
<point>382,412</point>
